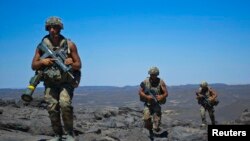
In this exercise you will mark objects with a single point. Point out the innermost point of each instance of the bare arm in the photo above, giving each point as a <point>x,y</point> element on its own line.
<point>74,58</point>
<point>164,90</point>
<point>142,94</point>
<point>198,94</point>
<point>213,93</point>
<point>38,63</point>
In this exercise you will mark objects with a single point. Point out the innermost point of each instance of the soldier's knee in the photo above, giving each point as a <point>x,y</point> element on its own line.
<point>66,108</point>
<point>65,101</point>
<point>65,105</point>
<point>146,114</point>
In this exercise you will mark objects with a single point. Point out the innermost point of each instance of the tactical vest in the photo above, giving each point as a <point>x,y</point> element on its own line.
<point>53,75</point>
<point>205,93</point>
<point>157,89</point>
<point>208,94</point>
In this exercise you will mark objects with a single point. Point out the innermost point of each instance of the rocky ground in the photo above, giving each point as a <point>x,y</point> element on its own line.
<point>22,122</point>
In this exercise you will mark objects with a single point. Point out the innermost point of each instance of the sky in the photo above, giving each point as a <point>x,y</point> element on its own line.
<point>119,40</point>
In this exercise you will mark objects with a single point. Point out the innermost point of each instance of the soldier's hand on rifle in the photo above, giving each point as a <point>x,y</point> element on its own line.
<point>149,98</point>
<point>211,99</point>
<point>68,61</point>
<point>47,61</point>
<point>199,96</point>
<point>159,97</point>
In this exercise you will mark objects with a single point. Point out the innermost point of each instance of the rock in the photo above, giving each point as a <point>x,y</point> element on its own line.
<point>8,102</point>
<point>31,122</point>
<point>180,133</point>
<point>244,118</point>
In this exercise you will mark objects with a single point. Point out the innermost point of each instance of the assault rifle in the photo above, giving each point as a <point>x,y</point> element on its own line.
<point>153,94</point>
<point>204,101</point>
<point>59,56</point>
<point>155,102</point>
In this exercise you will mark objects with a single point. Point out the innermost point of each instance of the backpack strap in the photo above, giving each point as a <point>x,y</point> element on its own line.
<point>148,84</point>
<point>64,43</point>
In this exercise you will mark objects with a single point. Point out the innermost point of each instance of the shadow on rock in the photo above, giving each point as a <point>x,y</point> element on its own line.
<point>163,134</point>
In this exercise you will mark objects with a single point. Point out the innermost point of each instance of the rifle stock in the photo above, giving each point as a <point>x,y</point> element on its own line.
<point>204,101</point>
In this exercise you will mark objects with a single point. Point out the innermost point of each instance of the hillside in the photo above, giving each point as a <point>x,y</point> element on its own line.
<point>115,114</point>
<point>233,98</point>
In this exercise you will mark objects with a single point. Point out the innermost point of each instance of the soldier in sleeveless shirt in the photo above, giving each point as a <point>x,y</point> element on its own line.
<point>58,87</point>
<point>153,92</point>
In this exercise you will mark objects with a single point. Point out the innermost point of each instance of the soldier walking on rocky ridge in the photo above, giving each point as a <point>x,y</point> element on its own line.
<point>153,92</point>
<point>60,78</point>
<point>206,97</point>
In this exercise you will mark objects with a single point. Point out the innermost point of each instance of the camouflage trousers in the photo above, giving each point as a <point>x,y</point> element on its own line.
<point>59,101</point>
<point>210,112</point>
<point>152,117</point>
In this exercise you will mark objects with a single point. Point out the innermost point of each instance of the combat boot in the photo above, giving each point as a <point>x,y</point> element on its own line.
<point>213,120</point>
<point>56,138</point>
<point>151,135</point>
<point>204,123</point>
<point>70,138</point>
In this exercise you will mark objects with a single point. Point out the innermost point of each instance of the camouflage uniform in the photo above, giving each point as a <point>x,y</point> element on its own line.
<point>152,111</point>
<point>152,116</point>
<point>58,95</point>
<point>58,89</point>
<point>59,99</point>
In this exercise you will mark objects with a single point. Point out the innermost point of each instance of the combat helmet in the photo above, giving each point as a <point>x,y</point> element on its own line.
<point>203,84</point>
<point>153,71</point>
<point>53,21</point>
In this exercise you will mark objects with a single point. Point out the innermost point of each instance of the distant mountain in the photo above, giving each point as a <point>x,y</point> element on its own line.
<point>233,98</point>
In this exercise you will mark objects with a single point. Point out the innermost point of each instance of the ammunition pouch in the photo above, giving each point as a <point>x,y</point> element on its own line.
<point>53,74</point>
<point>75,82</point>
<point>163,101</point>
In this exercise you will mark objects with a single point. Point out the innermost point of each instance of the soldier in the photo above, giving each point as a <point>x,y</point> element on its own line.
<point>206,97</point>
<point>58,87</point>
<point>153,92</point>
